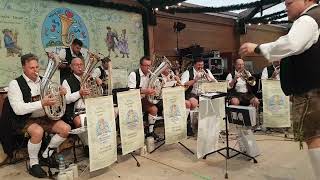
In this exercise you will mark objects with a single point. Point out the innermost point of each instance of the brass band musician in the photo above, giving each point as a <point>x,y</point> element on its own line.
<point>239,86</point>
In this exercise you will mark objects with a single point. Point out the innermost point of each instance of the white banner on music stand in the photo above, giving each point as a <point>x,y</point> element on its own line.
<point>130,120</point>
<point>276,105</point>
<point>101,132</point>
<point>209,125</point>
<point>174,112</point>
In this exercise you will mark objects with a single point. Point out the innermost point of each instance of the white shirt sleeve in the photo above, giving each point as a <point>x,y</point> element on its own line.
<point>264,74</point>
<point>302,35</point>
<point>132,80</point>
<point>229,79</point>
<point>185,77</point>
<point>96,73</point>
<point>17,103</point>
<point>62,54</point>
<point>70,97</point>
<point>213,79</point>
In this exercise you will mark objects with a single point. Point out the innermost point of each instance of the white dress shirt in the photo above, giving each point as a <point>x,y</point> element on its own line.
<point>265,74</point>
<point>16,98</point>
<point>302,35</point>
<point>97,73</point>
<point>185,76</point>
<point>144,80</point>
<point>241,85</point>
<point>73,97</point>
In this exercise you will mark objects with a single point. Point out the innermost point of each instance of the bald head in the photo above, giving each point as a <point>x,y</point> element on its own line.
<point>296,7</point>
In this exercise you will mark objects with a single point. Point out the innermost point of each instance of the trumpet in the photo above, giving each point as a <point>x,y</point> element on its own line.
<point>246,76</point>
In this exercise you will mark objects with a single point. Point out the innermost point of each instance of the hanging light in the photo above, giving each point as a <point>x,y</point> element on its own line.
<point>157,9</point>
<point>179,4</point>
<point>249,24</point>
<point>167,7</point>
<point>259,24</point>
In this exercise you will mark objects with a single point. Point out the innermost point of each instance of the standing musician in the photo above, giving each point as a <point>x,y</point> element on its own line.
<point>299,51</point>
<point>272,71</point>
<point>240,87</point>
<point>28,114</point>
<point>66,55</point>
<point>190,79</point>
<point>139,79</point>
<point>101,74</point>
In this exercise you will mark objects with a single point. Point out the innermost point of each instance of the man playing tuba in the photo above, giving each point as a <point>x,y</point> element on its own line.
<point>139,79</point>
<point>28,114</point>
<point>239,86</point>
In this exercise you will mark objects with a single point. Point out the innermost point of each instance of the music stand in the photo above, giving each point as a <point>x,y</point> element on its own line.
<point>227,148</point>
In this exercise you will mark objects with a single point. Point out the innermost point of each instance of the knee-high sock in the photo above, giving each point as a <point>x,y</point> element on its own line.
<point>33,151</point>
<point>152,120</point>
<point>84,138</point>
<point>187,112</point>
<point>192,114</point>
<point>55,142</point>
<point>314,155</point>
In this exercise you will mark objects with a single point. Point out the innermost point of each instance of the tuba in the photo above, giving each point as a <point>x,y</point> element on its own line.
<point>87,81</point>
<point>156,82</point>
<point>49,88</point>
<point>245,75</point>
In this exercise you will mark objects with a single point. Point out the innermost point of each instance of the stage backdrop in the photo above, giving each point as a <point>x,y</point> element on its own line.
<point>43,25</point>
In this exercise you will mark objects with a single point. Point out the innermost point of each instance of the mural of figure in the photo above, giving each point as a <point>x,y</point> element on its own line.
<point>123,44</point>
<point>10,43</point>
<point>111,41</point>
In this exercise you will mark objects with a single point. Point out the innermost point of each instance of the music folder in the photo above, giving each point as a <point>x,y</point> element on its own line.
<point>241,115</point>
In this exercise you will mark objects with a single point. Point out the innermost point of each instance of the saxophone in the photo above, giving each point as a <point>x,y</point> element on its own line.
<point>87,81</point>
<point>156,82</point>
<point>49,88</point>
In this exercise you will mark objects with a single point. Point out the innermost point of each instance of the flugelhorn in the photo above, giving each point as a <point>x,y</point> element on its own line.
<point>246,76</point>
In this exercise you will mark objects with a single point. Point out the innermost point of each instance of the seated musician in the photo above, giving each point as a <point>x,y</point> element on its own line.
<point>101,73</point>
<point>139,79</point>
<point>74,96</point>
<point>272,71</point>
<point>189,78</point>
<point>240,88</point>
<point>27,106</point>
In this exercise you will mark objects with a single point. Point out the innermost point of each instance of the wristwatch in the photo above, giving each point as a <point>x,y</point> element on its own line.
<point>257,50</point>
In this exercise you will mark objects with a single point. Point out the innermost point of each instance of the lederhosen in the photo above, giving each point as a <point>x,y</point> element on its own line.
<point>74,84</point>
<point>244,98</point>
<point>145,102</point>
<point>188,92</point>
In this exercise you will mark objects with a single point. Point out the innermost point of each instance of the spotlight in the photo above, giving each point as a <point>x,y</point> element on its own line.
<point>157,9</point>
<point>179,4</point>
<point>269,22</point>
<point>249,24</point>
<point>259,24</point>
<point>167,7</point>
